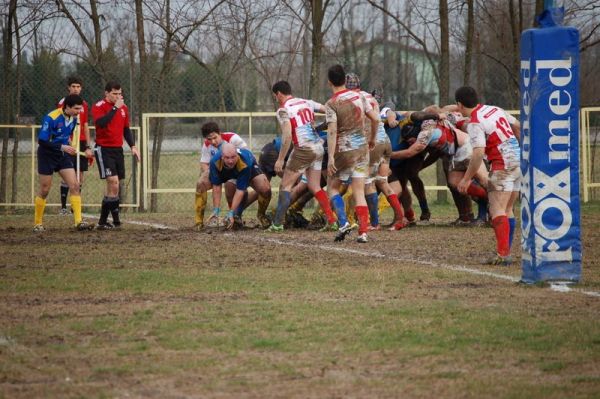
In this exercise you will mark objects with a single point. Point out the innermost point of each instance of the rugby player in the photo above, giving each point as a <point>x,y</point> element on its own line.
<point>494,134</point>
<point>379,160</point>
<point>348,149</point>
<point>55,154</point>
<point>238,170</point>
<point>296,117</point>
<point>74,86</point>
<point>111,117</point>
<point>444,136</point>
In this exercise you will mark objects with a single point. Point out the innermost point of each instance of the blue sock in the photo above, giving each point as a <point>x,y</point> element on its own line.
<point>373,204</point>
<point>283,204</point>
<point>337,202</point>
<point>482,209</point>
<point>424,206</point>
<point>511,232</point>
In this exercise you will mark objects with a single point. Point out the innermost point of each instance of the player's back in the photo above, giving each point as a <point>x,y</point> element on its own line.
<point>501,145</point>
<point>301,114</point>
<point>349,108</point>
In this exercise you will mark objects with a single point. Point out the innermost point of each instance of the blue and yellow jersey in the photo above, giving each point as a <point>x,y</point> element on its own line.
<point>57,129</point>
<point>241,171</point>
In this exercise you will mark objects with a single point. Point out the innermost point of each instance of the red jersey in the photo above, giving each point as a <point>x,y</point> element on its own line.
<point>112,134</point>
<point>83,116</point>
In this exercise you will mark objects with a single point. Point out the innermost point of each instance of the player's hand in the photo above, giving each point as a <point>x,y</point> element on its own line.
<point>68,149</point>
<point>442,116</point>
<point>120,102</point>
<point>393,124</point>
<point>135,152</point>
<point>279,166</point>
<point>463,186</point>
<point>88,153</point>
<point>331,169</point>
<point>371,145</point>
<point>90,161</point>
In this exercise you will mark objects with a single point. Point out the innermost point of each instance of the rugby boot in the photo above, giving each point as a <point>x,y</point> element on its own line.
<point>63,212</point>
<point>274,228</point>
<point>498,260</point>
<point>105,226</point>
<point>374,228</point>
<point>84,226</point>
<point>38,228</point>
<point>344,231</point>
<point>330,227</point>
<point>264,221</point>
<point>362,238</point>
<point>399,225</point>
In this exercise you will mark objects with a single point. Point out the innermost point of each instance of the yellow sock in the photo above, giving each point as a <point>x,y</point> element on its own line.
<point>76,206</point>
<point>200,205</point>
<point>40,204</point>
<point>383,203</point>
<point>349,201</point>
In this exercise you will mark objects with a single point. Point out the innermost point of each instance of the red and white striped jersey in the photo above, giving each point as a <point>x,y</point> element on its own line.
<point>490,127</point>
<point>208,150</point>
<point>301,114</point>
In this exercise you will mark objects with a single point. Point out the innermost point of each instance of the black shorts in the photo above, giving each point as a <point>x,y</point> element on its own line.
<point>50,161</point>
<point>111,161</point>
<point>268,157</point>
<point>83,161</point>
<point>256,170</point>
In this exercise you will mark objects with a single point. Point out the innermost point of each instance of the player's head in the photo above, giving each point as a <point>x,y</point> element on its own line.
<point>466,98</point>
<point>211,132</point>
<point>282,87</point>
<point>229,155</point>
<point>336,75</point>
<point>74,84</point>
<point>113,91</point>
<point>377,95</point>
<point>352,81</point>
<point>73,104</point>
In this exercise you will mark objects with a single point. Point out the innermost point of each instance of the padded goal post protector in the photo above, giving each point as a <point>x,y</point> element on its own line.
<point>550,212</point>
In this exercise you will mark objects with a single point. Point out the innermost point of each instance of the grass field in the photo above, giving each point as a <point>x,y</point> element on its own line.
<point>148,313</point>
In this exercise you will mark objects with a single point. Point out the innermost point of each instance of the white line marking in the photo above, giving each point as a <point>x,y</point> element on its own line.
<point>457,268</point>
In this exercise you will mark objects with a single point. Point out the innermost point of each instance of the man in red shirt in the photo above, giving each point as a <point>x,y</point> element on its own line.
<point>74,86</point>
<point>111,118</point>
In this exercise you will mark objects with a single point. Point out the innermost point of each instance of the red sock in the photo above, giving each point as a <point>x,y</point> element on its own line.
<point>323,199</point>
<point>362,214</point>
<point>475,190</point>
<point>395,204</point>
<point>410,215</point>
<point>501,229</point>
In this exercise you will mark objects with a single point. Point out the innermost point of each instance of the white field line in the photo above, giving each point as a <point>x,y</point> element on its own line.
<point>458,268</point>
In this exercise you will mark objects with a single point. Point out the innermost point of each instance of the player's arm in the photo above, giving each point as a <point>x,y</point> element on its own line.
<point>419,116</point>
<point>104,120</point>
<point>216,182</point>
<point>372,115</point>
<point>477,136</point>
<point>203,167</point>
<point>242,183</point>
<point>331,142</point>
<point>514,125</point>
<point>410,152</point>
<point>286,140</point>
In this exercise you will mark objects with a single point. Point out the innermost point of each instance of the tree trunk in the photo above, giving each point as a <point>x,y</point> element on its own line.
<point>469,43</point>
<point>444,86</point>
<point>516,56</point>
<point>7,92</point>
<point>317,14</point>
<point>142,91</point>
<point>18,86</point>
<point>387,64</point>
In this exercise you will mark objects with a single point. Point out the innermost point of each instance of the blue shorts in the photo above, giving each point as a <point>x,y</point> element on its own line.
<point>52,161</point>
